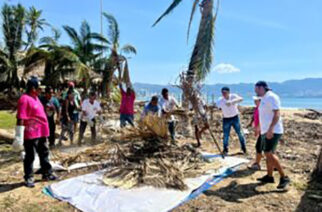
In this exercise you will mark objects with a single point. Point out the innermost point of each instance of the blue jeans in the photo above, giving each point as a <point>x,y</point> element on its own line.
<point>126,118</point>
<point>235,123</point>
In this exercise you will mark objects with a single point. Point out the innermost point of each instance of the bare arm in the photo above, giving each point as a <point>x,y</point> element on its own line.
<point>276,118</point>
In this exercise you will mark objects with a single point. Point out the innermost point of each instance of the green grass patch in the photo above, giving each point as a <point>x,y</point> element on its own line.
<point>7,120</point>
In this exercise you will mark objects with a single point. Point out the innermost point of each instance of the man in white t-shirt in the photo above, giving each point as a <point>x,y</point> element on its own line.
<point>90,108</point>
<point>271,131</point>
<point>168,104</point>
<point>228,104</point>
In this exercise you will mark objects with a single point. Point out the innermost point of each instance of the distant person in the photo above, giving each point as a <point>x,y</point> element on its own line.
<point>77,101</point>
<point>168,104</point>
<point>90,109</point>
<point>200,121</point>
<point>127,106</point>
<point>228,104</point>
<point>256,125</point>
<point>67,113</point>
<point>52,107</point>
<point>271,127</point>
<point>152,108</point>
<point>32,130</point>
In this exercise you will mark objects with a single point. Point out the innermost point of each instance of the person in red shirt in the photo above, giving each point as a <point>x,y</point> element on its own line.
<point>256,125</point>
<point>127,106</point>
<point>32,131</point>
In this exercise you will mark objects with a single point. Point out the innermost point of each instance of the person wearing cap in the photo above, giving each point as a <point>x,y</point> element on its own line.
<point>271,128</point>
<point>255,123</point>
<point>77,100</point>
<point>32,130</point>
<point>127,106</point>
<point>168,104</point>
<point>52,107</point>
<point>228,104</point>
<point>90,108</point>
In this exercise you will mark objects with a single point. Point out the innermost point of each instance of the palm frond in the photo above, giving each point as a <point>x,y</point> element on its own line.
<point>193,11</point>
<point>114,32</point>
<point>73,35</point>
<point>174,4</point>
<point>128,49</point>
<point>201,59</point>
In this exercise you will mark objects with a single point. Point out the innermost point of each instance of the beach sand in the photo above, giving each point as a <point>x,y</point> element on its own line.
<point>298,152</point>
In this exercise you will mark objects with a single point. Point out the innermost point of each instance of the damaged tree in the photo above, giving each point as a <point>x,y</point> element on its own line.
<point>202,56</point>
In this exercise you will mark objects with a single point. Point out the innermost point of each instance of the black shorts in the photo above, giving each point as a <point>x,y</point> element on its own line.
<point>259,147</point>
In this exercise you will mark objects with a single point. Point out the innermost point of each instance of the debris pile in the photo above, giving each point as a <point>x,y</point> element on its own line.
<point>144,156</point>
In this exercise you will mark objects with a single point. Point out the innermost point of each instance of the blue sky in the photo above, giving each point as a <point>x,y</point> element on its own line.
<point>274,40</point>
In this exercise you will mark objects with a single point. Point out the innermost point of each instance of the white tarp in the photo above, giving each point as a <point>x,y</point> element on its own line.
<point>88,194</point>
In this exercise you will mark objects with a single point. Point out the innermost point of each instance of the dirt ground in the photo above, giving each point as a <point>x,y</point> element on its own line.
<point>239,192</point>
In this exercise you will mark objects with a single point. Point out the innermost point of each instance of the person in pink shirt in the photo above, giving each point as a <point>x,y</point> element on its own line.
<point>127,106</point>
<point>256,125</point>
<point>32,130</point>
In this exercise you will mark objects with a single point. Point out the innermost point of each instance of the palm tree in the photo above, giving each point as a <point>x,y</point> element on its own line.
<point>87,45</point>
<point>202,55</point>
<point>34,23</point>
<point>117,59</point>
<point>59,61</point>
<point>13,18</point>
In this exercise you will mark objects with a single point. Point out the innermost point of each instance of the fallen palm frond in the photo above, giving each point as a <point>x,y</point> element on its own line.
<point>141,156</point>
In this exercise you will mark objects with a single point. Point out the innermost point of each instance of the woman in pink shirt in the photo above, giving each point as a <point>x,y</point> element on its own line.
<point>32,130</point>
<point>127,106</point>
<point>255,123</point>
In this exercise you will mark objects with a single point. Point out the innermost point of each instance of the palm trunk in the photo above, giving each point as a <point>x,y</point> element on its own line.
<point>319,164</point>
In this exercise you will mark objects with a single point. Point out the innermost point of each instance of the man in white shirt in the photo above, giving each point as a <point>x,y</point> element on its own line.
<point>228,104</point>
<point>168,104</point>
<point>271,131</point>
<point>90,108</point>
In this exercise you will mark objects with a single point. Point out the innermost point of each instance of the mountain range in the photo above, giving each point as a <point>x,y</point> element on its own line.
<point>304,88</point>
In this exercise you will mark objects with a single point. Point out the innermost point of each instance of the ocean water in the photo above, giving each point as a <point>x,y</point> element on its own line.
<point>287,102</point>
<point>296,103</point>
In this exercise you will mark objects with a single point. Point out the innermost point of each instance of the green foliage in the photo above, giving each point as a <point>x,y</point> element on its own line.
<point>202,55</point>
<point>7,120</point>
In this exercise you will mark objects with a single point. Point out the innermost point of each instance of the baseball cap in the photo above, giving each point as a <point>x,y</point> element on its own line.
<point>33,82</point>
<point>263,84</point>
<point>71,84</point>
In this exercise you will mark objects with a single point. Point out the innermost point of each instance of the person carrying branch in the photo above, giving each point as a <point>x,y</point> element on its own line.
<point>152,108</point>
<point>32,131</point>
<point>228,104</point>
<point>168,104</point>
<point>127,106</point>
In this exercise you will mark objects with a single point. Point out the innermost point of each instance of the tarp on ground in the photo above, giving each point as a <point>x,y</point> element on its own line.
<point>88,194</point>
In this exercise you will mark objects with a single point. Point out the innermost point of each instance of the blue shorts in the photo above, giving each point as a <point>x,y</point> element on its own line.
<point>75,117</point>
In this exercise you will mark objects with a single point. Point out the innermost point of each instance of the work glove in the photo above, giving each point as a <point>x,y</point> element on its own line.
<point>17,144</point>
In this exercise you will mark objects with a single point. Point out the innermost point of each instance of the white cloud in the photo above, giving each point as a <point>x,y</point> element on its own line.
<point>225,68</point>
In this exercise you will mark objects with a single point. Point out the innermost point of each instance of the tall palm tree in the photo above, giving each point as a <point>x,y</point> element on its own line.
<point>13,18</point>
<point>201,58</point>
<point>117,59</point>
<point>34,23</point>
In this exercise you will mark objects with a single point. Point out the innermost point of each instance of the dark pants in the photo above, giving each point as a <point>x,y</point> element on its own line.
<point>41,147</point>
<point>235,123</point>
<point>52,128</point>
<point>172,129</point>
<point>82,128</point>
<point>126,118</point>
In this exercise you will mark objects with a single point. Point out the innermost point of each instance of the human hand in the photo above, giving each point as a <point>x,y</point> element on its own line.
<point>269,134</point>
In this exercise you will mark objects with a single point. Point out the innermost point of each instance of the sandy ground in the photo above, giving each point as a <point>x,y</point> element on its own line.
<point>239,192</point>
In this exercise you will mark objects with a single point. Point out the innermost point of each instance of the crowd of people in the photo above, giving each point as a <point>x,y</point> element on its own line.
<point>37,119</point>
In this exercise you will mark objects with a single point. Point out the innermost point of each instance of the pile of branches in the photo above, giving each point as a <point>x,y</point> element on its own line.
<point>140,157</point>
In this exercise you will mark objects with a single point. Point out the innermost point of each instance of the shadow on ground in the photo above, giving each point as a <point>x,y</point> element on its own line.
<point>311,201</point>
<point>235,192</point>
